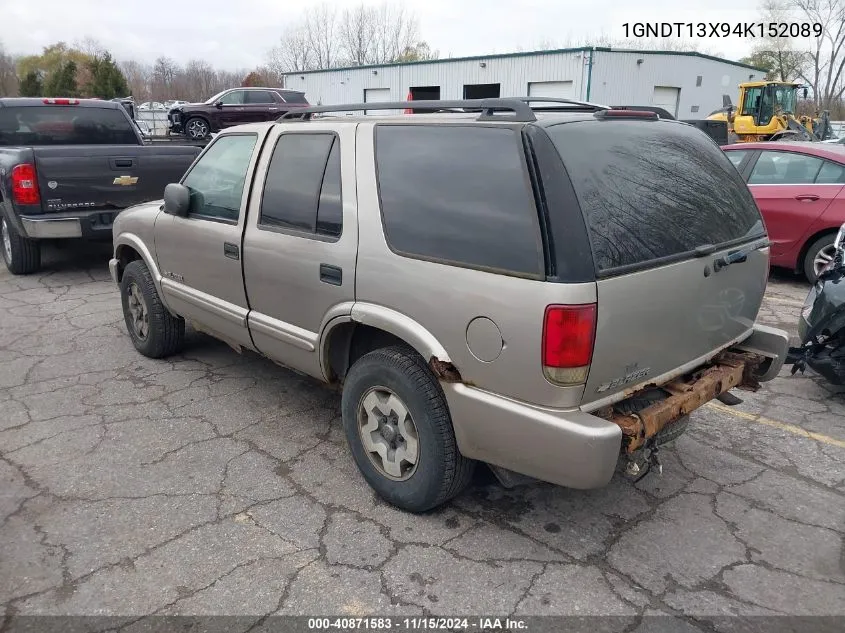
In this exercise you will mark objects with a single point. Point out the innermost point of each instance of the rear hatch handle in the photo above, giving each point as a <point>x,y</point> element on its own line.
<point>739,256</point>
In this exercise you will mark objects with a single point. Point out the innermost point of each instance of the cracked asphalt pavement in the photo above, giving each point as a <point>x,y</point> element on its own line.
<point>217,483</point>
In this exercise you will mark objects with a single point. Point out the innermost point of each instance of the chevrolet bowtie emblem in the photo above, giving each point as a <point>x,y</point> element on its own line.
<point>125,180</point>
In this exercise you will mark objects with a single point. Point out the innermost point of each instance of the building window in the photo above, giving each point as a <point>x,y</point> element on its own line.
<point>698,81</point>
<point>482,91</point>
<point>694,109</point>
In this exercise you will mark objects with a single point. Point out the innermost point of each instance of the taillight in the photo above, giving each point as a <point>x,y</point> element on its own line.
<point>62,101</point>
<point>25,184</point>
<point>569,333</point>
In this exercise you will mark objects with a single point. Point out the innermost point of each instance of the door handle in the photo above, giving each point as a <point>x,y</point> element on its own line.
<point>331,275</point>
<point>231,251</point>
<point>807,197</point>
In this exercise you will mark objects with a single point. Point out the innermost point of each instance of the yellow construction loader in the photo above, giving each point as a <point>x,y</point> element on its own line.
<point>766,111</point>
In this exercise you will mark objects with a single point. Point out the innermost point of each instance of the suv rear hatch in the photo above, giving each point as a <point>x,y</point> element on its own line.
<point>662,204</point>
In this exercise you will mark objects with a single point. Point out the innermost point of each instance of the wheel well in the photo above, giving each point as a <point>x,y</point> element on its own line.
<point>799,265</point>
<point>125,254</point>
<point>350,341</point>
<point>199,116</point>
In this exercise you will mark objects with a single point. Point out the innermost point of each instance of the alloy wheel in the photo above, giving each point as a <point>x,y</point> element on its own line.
<point>823,258</point>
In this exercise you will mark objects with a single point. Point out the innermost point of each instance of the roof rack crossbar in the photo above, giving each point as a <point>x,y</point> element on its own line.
<point>586,104</point>
<point>521,110</point>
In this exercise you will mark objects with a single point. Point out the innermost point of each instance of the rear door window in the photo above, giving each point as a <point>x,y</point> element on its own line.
<point>785,168</point>
<point>257,97</point>
<point>831,174</point>
<point>458,195</point>
<point>302,189</point>
<point>651,192</point>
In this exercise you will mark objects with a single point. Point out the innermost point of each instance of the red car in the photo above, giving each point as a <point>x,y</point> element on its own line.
<point>800,189</point>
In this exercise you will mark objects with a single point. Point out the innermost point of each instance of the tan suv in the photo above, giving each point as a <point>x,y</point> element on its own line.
<point>540,289</point>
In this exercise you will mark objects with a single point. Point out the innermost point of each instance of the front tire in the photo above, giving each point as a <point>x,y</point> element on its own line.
<point>21,255</point>
<point>399,430</point>
<point>820,253</point>
<point>197,129</point>
<point>154,331</point>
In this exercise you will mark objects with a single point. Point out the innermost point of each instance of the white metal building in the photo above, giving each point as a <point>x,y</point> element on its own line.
<point>689,85</point>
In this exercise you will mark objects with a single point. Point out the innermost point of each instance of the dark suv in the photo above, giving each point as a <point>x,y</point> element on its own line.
<point>232,107</point>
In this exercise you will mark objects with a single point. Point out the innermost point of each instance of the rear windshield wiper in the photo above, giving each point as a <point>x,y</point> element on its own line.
<point>737,257</point>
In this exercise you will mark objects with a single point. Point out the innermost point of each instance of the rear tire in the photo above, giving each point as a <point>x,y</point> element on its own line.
<point>154,331</point>
<point>439,471</point>
<point>821,249</point>
<point>21,255</point>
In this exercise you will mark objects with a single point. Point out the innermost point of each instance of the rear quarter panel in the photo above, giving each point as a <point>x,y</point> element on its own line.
<point>441,301</point>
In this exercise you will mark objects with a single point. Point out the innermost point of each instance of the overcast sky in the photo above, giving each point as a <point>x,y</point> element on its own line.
<point>237,34</point>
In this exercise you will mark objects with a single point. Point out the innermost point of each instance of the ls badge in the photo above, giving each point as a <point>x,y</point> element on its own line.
<point>125,181</point>
<point>631,374</point>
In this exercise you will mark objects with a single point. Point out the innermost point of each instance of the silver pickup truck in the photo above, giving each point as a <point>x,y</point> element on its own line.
<point>483,288</point>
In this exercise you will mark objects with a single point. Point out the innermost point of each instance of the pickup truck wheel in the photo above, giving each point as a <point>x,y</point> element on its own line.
<point>22,255</point>
<point>197,129</point>
<point>400,432</point>
<point>154,331</point>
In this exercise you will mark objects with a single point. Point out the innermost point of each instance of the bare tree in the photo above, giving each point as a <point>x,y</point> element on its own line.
<point>138,77</point>
<point>320,26</point>
<point>90,46</point>
<point>163,79</point>
<point>8,75</point>
<point>396,31</point>
<point>200,80</point>
<point>827,56</point>
<point>366,34</point>
<point>357,34</point>
<point>292,53</point>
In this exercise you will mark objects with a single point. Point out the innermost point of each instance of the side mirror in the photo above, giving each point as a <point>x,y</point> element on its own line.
<point>177,199</point>
<point>218,105</point>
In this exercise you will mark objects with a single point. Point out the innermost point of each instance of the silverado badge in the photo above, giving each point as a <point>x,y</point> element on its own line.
<point>125,180</point>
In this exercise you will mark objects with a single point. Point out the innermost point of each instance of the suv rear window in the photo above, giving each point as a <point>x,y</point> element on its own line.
<point>651,192</point>
<point>459,195</point>
<point>65,125</point>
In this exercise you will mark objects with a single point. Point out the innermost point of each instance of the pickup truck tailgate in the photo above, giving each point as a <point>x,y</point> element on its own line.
<point>107,177</point>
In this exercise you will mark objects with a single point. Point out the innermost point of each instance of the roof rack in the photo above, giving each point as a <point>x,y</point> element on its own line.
<point>521,110</point>
<point>571,102</point>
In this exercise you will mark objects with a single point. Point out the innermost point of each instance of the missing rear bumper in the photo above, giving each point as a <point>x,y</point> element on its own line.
<point>679,397</point>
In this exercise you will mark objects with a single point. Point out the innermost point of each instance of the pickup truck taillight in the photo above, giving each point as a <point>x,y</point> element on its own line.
<point>25,184</point>
<point>569,334</point>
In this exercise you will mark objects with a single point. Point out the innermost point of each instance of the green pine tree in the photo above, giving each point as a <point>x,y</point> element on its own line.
<point>31,85</point>
<point>107,82</point>
<point>62,83</point>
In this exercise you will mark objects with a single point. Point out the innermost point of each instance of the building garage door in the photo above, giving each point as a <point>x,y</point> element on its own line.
<point>377,95</point>
<point>667,98</point>
<point>558,89</point>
